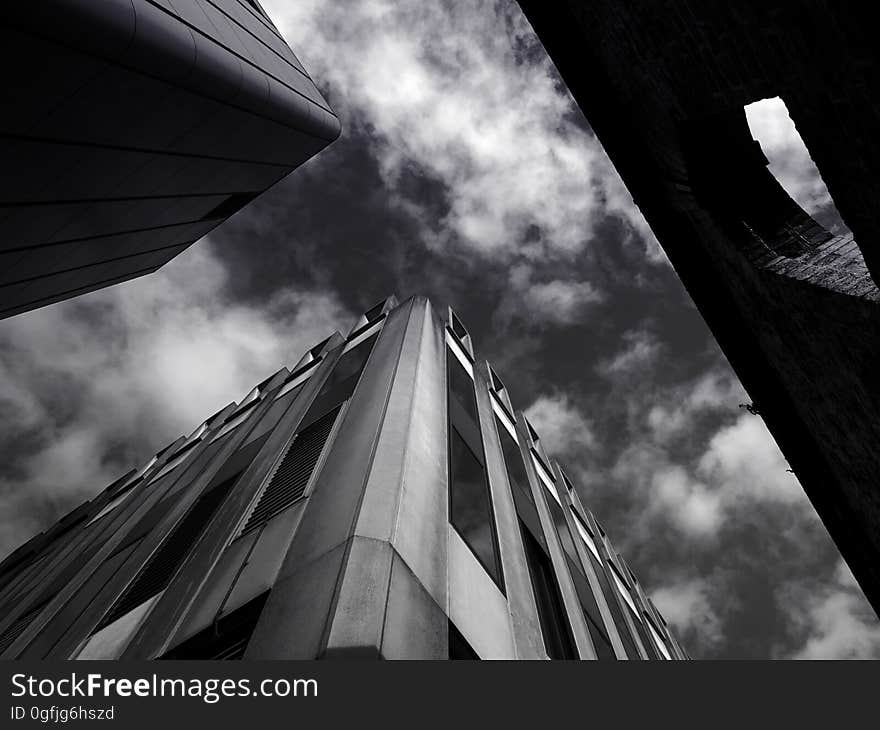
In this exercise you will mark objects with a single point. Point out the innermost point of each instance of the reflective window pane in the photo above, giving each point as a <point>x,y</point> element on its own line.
<point>470,509</point>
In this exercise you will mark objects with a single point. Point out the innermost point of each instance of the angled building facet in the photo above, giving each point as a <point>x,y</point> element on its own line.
<point>131,128</point>
<point>794,307</point>
<point>382,500</point>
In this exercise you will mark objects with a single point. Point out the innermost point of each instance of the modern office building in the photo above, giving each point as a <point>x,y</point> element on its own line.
<point>795,308</point>
<point>381,499</point>
<point>131,128</point>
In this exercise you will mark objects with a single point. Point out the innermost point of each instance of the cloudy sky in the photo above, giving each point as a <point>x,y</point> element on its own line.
<point>465,172</point>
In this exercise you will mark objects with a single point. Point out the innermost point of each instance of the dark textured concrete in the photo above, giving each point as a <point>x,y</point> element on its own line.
<point>795,311</point>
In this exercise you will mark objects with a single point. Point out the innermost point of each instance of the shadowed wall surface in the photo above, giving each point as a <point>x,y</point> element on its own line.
<point>794,308</point>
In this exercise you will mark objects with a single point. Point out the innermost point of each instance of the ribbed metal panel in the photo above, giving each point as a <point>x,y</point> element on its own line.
<point>292,476</point>
<point>161,567</point>
<point>17,627</point>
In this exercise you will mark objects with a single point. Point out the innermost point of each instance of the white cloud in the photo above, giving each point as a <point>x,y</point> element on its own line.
<point>696,461</point>
<point>99,383</point>
<point>743,462</point>
<point>838,621</point>
<point>674,413</point>
<point>560,301</point>
<point>790,161</point>
<point>687,606</point>
<point>740,468</point>
<point>691,504</point>
<point>444,94</point>
<point>640,351</point>
<point>557,301</point>
<point>560,424</point>
<point>731,473</point>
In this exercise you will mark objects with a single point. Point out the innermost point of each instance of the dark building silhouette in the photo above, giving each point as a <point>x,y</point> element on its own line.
<point>381,499</point>
<point>794,308</point>
<point>131,128</point>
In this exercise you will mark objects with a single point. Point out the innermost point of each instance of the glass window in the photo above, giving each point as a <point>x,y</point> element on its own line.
<point>252,395</point>
<point>558,517</point>
<point>375,312</point>
<point>456,326</point>
<point>296,383</point>
<point>226,638</point>
<point>584,532</point>
<point>175,460</point>
<point>145,468</point>
<point>622,629</point>
<point>661,645</point>
<point>500,411</point>
<point>298,377</point>
<point>496,383</point>
<point>199,432</point>
<point>459,648</point>
<point>367,321</point>
<point>516,469</point>
<point>470,502</point>
<point>461,387</point>
<point>595,623</point>
<point>520,488</point>
<point>555,628</point>
<point>568,485</point>
<point>113,504</point>
<point>624,591</point>
<point>361,334</point>
<point>349,365</point>
<point>545,477</point>
<point>470,508</point>
<point>460,354</point>
<point>231,425</point>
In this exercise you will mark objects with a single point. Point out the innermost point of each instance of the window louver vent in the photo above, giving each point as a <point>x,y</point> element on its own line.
<point>17,627</point>
<point>292,476</point>
<point>161,567</point>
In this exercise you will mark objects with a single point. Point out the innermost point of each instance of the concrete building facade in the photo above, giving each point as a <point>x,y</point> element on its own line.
<point>381,499</point>
<point>131,128</point>
<point>795,308</point>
